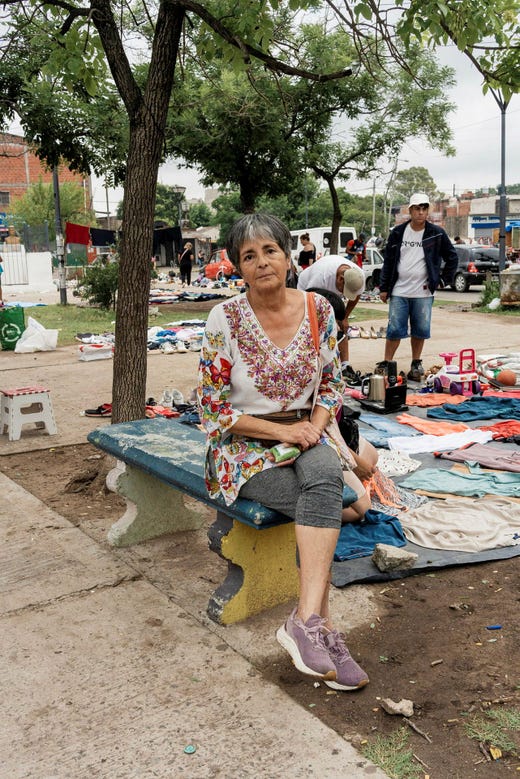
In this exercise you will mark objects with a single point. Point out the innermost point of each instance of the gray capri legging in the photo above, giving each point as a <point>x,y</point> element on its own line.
<point>310,491</point>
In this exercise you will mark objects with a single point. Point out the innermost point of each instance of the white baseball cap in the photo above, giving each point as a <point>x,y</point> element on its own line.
<point>419,199</point>
<point>353,283</point>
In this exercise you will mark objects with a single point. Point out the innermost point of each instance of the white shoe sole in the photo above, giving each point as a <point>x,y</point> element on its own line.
<point>291,647</point>
<point>338,686</point>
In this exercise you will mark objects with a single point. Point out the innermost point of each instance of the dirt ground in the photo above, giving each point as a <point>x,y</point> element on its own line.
<point>431,643</point>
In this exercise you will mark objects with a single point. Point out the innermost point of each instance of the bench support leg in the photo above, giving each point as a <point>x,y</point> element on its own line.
<point>153,508</point>
<point>262,568</point>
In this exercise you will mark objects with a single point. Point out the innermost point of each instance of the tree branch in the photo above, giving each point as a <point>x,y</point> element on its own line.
<point>249,51</point>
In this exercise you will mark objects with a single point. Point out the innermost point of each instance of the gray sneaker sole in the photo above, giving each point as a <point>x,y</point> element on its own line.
<point>283,638</point>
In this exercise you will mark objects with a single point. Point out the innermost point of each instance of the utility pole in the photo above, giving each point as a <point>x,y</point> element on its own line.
<point>502,103</point>
<point>502,207</point>
<point>373,228</point>
<point>60,245</point>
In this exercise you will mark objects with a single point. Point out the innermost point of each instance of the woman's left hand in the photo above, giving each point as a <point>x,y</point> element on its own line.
<point>363,470</point>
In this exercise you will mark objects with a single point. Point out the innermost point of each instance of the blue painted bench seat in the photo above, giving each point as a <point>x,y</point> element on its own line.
<point>163,461</point>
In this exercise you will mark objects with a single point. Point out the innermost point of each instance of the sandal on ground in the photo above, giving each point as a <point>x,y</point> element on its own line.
<point>105,410</point>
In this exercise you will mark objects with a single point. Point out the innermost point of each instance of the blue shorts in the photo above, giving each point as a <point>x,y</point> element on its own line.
<point>417,310</point>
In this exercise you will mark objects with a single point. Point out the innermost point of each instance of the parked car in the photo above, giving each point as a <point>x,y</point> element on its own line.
<point>372,267</point>
<point>219,266</point>
<point>474,264</point>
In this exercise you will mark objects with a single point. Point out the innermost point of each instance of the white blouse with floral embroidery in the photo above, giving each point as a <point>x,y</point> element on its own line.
<point>243,372</point>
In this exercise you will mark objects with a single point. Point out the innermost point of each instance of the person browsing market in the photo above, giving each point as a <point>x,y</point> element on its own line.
<point>270,374</point>
<point>412,270</point>
<point>337,274</point>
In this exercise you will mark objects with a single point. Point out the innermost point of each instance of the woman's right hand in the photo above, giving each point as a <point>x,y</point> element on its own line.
<point>304,434</point>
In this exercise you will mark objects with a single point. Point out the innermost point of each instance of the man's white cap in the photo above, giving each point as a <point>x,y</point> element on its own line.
<point>419,199</point>
<point>353,281</point>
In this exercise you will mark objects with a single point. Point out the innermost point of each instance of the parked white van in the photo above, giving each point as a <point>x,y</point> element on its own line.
<point>321,237</point>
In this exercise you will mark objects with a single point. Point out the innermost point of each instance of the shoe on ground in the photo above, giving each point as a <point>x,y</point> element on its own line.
<point>349,675</point>
<point>304,641</point>
<point>381,368</point>
<point>166,399</point>
<point>177,397</point>
<point>181,347</point>
<point>416,372</point>
<point>350,375</point>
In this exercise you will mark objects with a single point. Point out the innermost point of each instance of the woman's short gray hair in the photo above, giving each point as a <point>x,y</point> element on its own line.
<point>252,226</point>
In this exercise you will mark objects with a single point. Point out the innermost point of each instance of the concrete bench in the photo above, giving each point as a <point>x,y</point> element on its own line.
<point>163,461</point>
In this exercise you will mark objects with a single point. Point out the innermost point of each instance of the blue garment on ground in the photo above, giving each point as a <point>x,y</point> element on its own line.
<point>382,428</point>
<point>374,437</point>
<point>386,425</point>
<point>358,539</point>
<point>190,417</point>
<point>474,484</point>
<point>478,408</point>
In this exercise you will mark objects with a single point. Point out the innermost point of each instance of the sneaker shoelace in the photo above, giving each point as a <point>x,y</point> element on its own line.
<point>337,647</point>
<point>315,634</point>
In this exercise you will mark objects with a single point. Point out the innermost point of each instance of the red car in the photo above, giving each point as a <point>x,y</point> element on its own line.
<point>219,266</point>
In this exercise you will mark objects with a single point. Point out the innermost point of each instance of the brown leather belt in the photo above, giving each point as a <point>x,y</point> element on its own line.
<point>285,417</point>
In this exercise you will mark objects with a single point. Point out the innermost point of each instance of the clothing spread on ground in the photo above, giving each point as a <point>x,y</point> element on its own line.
<point>463,525</point>
<point>503,430</point>
<point>396,463</point>
<point>434,399</point>
<point>388,497</point>
<point>382,428</point>
<point>478,408</point>
<point>437,443</point>
<point>433,428</point>
<point>486,456</point>
<point>475,484</point>
<point>358,539</point>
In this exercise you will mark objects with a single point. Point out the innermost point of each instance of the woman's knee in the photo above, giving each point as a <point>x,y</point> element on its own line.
<point>317,466</point>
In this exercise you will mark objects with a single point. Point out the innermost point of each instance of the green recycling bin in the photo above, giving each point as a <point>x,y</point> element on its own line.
<point>12,325</point>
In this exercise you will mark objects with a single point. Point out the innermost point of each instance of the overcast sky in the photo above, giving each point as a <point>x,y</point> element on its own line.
<point>476,137</point>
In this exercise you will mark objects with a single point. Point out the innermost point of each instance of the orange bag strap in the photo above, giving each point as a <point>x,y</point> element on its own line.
<point>313,320</point>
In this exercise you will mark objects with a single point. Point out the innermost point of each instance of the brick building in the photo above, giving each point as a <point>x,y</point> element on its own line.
<point>19,168</point>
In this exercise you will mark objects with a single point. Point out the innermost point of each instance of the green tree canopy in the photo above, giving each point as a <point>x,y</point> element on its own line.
<point>200,215</point>
<point>415,179</point>
<point>36,206</point>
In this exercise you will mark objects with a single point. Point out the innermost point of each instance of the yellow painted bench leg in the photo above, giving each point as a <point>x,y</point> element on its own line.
<point>262,568</point>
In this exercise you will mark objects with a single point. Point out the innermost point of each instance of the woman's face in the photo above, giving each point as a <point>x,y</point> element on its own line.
<point>263,264</point>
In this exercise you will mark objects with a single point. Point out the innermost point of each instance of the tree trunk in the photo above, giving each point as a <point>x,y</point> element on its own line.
<point>336,216</point>
<point>147,113</point>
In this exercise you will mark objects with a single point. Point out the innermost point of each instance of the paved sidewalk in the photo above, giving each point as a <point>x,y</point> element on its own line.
<point>106,676</point>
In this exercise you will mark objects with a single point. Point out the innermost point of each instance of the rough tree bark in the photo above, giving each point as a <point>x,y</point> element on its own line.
<point>147,113</point>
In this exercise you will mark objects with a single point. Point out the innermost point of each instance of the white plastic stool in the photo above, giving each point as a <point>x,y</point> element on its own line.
<point>23,405</point>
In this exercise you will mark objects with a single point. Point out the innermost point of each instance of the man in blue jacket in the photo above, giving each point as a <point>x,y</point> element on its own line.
<point>410,275</point>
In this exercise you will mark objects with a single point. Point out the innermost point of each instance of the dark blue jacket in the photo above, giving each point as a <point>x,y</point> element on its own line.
<point>436,246</point>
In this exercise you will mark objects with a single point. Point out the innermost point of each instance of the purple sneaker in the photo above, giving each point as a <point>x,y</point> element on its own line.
<point>349,675</point>
<point>304,642</point>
